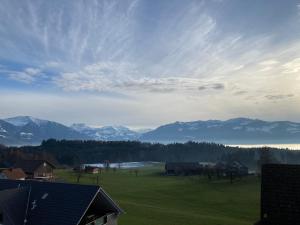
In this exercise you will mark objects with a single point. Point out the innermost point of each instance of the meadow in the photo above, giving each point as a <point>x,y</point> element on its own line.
<point>151,198</point>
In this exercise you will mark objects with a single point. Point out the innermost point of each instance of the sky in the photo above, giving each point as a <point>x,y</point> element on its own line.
<point>144,63</point>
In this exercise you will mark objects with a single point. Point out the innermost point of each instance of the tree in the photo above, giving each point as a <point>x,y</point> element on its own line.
<point>265,157</point>
<point>78,175</point>
<point>136,171</point>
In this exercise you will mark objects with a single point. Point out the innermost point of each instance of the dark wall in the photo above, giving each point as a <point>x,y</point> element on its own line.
<point>280,194</point>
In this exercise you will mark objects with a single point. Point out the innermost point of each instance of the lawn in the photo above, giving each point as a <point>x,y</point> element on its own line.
<point>153,199</point>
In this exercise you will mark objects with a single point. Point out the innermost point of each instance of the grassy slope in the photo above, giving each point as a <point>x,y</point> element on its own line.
<point>152,199</point>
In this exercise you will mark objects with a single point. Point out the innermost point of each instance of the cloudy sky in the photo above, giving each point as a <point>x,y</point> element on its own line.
<point>143,63</point>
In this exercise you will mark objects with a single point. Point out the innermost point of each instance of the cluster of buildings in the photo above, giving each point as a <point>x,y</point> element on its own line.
<point>29,169</point>
<point>29,196</point>
<point>234,168</point>
<point>87,169</point>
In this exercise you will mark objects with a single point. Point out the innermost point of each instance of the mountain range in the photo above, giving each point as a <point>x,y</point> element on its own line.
<point>26,130</point>
<point>233,131</point>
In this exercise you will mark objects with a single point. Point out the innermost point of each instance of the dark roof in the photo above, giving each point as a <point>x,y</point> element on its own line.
<point>91,167</point>
<point>57,203</point>
<point>29,166</point>
<point>233,164</point>
<point>182,165</point>
<point>5,164</point>
<point>14,174</point>
<point>13,205</point>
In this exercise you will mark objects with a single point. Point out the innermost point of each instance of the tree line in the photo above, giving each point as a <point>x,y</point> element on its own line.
<point>66,152</point>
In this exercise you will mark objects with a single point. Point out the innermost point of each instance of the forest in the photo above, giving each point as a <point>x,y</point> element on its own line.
<point>71,153</point>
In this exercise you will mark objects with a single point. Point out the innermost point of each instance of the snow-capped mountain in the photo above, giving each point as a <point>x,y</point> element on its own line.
<point>28,130</point>
<point>7,133</point>
<point>233,131</point>
<point>107,133</point>
<point>20,121</point>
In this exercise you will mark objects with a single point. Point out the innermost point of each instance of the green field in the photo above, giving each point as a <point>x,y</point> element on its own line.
<point>153,199</point>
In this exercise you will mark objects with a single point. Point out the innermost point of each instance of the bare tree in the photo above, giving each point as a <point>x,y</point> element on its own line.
<point>265,157</point>
<point>78,174</point>
<point>136,171</point>
<point>106,165</point>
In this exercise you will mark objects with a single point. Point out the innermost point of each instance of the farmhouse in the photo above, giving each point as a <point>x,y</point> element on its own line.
<point>182,168</point>
<point>237,168</point>
<point>13,174</point>
<point>220,169</point>
<point>234,168</point>
<point>91,169</point>
<point>35,203</point>
<point>36,169</point>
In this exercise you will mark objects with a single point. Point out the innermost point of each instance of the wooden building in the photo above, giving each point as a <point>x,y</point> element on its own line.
<point>182,168</point>
<point>32,202</point>
<point>237,169</point>
<point>36,169</point>
<point>234,168</point>
<point>220,169</point>
<point>91,169</point>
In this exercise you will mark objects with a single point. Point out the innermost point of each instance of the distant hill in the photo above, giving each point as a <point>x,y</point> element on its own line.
<point>107,133</point>
<point>26,130</point>
<point>233,131</point>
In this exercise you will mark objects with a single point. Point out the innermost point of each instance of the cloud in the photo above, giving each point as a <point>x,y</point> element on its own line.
<point>268,62</point>
<point>292,66</point>
<point>213,86</point>
<point>268,65</point>
<point>218,86</point>
<point>152,50</point>
<point>279,97</point>
<point>240,93</point>
<point>28,75</point>
<point>266,69</point>
<point>124,77</point>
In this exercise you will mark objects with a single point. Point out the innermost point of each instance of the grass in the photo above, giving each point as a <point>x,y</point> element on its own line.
<point>153,199</point>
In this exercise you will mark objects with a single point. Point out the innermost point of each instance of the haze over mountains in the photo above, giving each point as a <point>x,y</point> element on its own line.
<point>26,130</point>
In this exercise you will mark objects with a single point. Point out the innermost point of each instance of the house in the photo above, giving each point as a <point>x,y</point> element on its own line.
<point>91,169</point>
<point>36,169</point>
<point>207,164</point>
<point>234,168</point>
<point>33,202</point>
<point>13,174</point>
<point>237,169</point>
<point>79,168</point>
<point>182,168</point>
<point>280,195</point>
